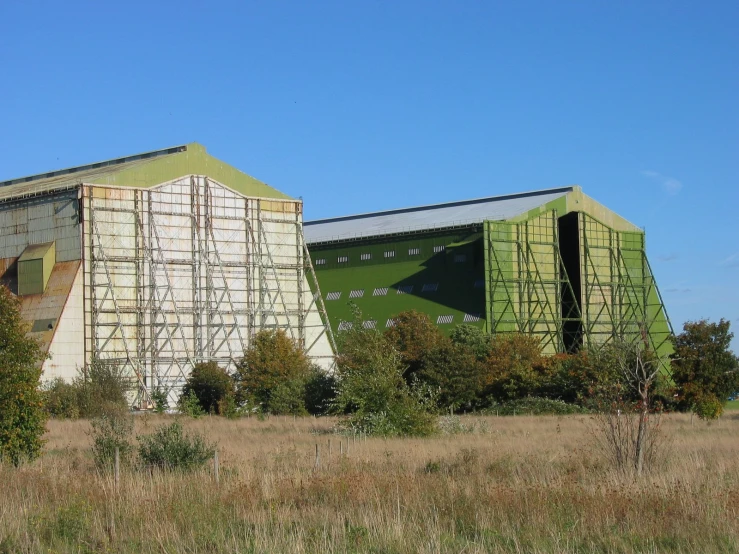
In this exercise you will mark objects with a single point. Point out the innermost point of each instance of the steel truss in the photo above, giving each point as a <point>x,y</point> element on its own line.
<point>189,272</point>
<point>527,281</point>
<point>530,290</point>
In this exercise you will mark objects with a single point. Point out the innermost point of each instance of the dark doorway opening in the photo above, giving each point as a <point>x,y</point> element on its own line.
<point>569,248</point>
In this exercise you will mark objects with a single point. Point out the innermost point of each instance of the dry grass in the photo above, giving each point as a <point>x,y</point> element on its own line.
<point>524,484</point>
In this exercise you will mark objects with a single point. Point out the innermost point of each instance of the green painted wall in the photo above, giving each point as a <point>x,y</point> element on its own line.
<point>457,271</point>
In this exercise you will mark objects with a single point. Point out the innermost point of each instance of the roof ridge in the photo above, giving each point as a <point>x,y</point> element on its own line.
<point>96,165</point>
<point>441,205</point>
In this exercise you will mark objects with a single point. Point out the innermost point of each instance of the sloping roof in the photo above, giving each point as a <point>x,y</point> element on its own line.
<point>35,251</point>
<point>42,311</point>
<point>142,171</point>
<point>436,216</point>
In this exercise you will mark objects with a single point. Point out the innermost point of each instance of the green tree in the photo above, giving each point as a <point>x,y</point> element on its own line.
<point>371,390</point>
<point>453,370</point>
<point>273,374</point>
<point>22,414</point>
<point>473,338</point>
<point>514,367</point>
<point>704,369</point>
<point>412,336</point>
<point>210,384</point>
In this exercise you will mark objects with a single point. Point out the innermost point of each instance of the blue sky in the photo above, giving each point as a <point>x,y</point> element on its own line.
<point>370,105</point>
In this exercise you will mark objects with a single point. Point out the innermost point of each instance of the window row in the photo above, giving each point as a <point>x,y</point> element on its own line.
<point>403,289</point>
<point>458,258</point>
<point>440,320</point>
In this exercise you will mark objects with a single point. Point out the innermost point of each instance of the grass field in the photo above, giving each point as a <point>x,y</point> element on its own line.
<point>514,484</point>
<point>732,405</point>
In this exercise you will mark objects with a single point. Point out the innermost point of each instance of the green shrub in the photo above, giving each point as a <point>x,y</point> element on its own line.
<point>189,405</point>
<point>61,399</point>
<point>170,448</point>
<point>108,433</point>
<point>161,401</point>
<point>320,392</point>
<point>210,384</point>
<point>273,373</point>
<point>371,389</point>
<point>536,406</point>
<point>102,389</point>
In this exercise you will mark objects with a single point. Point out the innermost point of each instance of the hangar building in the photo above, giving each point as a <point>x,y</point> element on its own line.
<point>552,263</point>
<point>156,262</point>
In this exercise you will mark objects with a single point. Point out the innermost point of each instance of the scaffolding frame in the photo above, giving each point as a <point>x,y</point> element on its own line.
<point>527,280</point>
<point>530,291</point>
<point>188,272</point>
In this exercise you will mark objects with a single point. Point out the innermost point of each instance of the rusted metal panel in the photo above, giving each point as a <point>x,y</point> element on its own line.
<point>50,304</point>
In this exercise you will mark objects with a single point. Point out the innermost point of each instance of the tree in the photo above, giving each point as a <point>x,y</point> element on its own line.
<point>273,374</point>
<point>412,336</point>
<point>371,390</point>
<point>513,366</point>
<point>210,384</point>
<point>474,338</point>
<point>704,369</point>
<point>22,415</point>
<point>455,371</point>
<point>638,368</point>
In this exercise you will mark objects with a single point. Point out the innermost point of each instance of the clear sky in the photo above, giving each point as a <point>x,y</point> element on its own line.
<point>367,105</point>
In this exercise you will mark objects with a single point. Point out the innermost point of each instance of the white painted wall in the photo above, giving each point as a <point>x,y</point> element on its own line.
<point>67,347</point>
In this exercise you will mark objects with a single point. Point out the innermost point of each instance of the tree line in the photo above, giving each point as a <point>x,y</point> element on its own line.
<point>389,383</point>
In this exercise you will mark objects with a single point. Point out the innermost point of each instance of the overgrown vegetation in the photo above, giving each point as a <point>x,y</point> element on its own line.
<point>211,385</point>
<point>171,448</point>
<point>499,485</point>
<point>100,390</point>
<point>22,417</point>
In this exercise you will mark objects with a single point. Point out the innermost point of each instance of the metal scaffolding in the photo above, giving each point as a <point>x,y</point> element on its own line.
<point>189,272</point>
<point>608,293</point>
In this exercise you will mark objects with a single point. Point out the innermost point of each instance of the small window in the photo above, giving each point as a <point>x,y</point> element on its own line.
<point>382,291</point>
<point>371,324</point>
<point>480,283</point>
<point>444,319</point>
<point>460,258</point>
<point>333,296</point>
<point>472,318</point>
<point>356,293</point>
<point>405,289</point>
<point>430,287</point>
<point>390,253</point>
<point>438,249</point>
<point>414,251</point>
<point>345,325</point>
<point>390,323</point>
<point>342,259</point>
<point>365,257</point>
<point>321,261</point>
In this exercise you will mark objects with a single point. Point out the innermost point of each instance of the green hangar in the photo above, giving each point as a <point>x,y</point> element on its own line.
<point>552,263</point>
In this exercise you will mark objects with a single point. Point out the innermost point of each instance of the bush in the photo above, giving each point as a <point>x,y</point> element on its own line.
<point>536,406</point>
<point>108,433</point>
<point>454,371</point>
<point>160,399</point>
<point>273,374</point>
<point>412,336</point>
<point>61,399</point>
<point>210,384</point>
<point>320,392</point>
<point>371,388</point>
<point>102,389</point>
<point>170,448</point>
<point>22,414</point>
<point>189,405</point>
